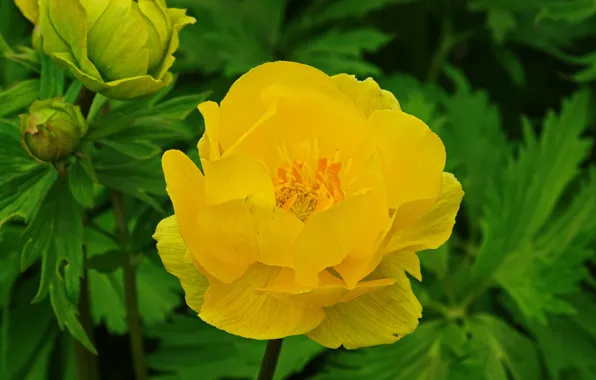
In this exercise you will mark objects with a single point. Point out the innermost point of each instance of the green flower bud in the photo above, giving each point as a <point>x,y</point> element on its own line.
<point>52,129</point>
<point>122,49</point>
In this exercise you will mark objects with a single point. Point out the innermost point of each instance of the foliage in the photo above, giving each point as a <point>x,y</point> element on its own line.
<point>507,84</point>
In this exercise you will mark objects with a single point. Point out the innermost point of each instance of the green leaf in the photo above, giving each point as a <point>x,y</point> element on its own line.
<point>503,349</point>
<point>343,9</point>
<point>96,105</point>
<point>500,22</point>
<point>18,97</point>
<point>30,339</point>
<point>52,79</point>
<point>10,250</point>
<point>571,11</point>
<point>159,293</point>
<point>136,149</point>
<point>108,262</point>
<point>335,51</point>
<point>24,181</point>
<point>512,65</point>
<point>532,184</point>
<point>471,117</point>
<point>191,349</point>
<point>80,184</point>
<point>73,91</point>
<point>142,179</point>
<point>541,276</point>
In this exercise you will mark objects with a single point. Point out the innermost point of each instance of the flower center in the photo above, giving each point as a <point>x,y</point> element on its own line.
<point>304,190</point>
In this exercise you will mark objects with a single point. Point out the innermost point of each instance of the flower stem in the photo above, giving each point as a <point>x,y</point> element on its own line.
<point>130,290</point>
<point>86,361</point>
<point>270,359</point>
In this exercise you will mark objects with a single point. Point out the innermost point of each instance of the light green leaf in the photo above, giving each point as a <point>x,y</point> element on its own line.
<point>18,97</point>
<point>73,91</point>
<point>52,79</point>
<point>500,22</point>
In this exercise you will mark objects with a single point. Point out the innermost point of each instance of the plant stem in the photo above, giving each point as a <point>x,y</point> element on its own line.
<point>270,359</point>
<point>130,290</point>
<point>86,361</point>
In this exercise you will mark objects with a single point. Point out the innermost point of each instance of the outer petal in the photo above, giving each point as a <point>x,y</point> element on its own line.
<point>434,228</point>
<point>209,144</point>
<point>330,291</point>
<point>173,253</point>
<point>239,310</point>
<point>381,317</point>
<point>242,105</point>
<point>185,185</point>
<point>236,177</point>
<point>366,94</point>
<point>414,156</point>
<point>179,20</point>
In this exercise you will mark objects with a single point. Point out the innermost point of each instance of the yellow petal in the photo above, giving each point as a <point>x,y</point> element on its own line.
<point>300,121</point>
<point>276,229</point>
<point>410,262</point>
<point>347,228</point>
<point>330,291</point>
<point>242,105</point>
<point>209,148</point>
<point>239,310</point>
<point>185,186</point>
<point>172,251</point>
<point>434,228</point>
<point>236,177</point>
<point>228,240</point>
<point>29,9</point>
<point>380,317</point>
<point>414,156</point>
<point>366,94</point>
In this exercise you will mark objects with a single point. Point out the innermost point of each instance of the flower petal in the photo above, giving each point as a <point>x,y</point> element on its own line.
<point>298,122</point>
<point>236,177</point>
<point>173,253</point>
<point>414,156</point>
<point>347,228</point>
<point>434,228</point>
<point>239,310</point>
<point>330,291</point>
<point>242,106</point>
<point>209,143</point>
<point>380,317</point>
<point>366,94</point>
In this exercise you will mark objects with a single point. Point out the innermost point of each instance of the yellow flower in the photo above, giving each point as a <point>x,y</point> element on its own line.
<point>317,191</point>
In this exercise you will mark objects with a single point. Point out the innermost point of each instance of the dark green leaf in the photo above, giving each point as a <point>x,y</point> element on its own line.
<point>135,149</point>
<point>108,262</point>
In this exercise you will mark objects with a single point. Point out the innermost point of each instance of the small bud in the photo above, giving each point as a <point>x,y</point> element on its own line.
<point>52,129</point>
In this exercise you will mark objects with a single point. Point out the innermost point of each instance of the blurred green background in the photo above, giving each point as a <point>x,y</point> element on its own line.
<point>507,84</point>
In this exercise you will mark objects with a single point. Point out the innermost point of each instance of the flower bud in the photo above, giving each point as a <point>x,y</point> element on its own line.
<point>122,49</point>
<point>52,129</point>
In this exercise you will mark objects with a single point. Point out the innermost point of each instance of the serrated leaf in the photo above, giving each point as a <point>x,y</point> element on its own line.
<point>505,350</point>
<point>190,349</point>
<point>336,51</point>
<point>18,97</point>
<point>80,184</point>
<point>24,182</point>
<point>532,184</point>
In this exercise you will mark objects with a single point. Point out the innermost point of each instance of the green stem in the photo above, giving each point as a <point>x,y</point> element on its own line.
<point>133,318</point>
<point>270,359</point>
<point>87,368</point>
